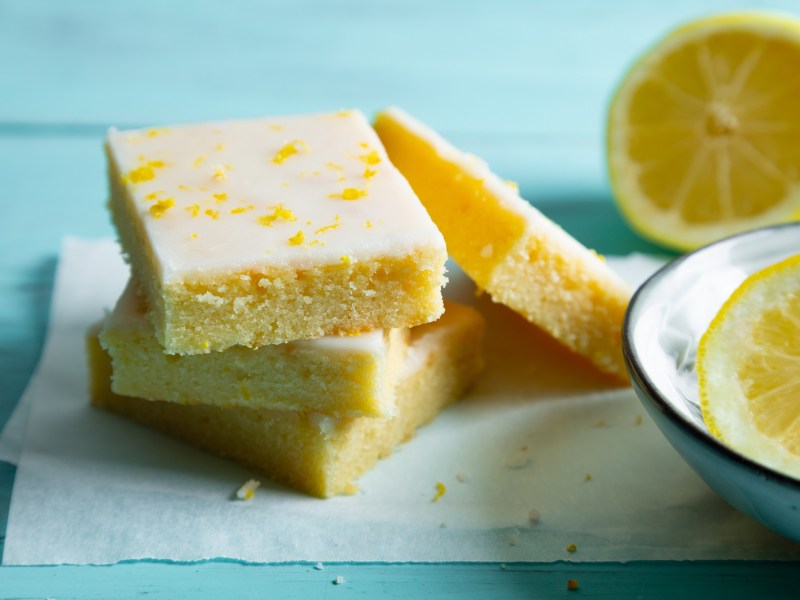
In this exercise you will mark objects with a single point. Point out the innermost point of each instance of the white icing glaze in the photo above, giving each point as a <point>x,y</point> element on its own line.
<point>247,166</point>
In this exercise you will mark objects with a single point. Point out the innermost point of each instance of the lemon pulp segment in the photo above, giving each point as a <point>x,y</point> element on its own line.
<point>704,131</point>
<point>748,368</point>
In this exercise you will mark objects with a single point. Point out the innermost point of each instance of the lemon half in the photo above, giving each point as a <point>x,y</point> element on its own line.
<point>748,367</point>
<point>703,135</point>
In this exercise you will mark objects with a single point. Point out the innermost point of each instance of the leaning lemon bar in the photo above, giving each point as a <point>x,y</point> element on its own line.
<point>315,453</point>
<point>512,251</point>
<point>334,375</point>
<point>270,230</point>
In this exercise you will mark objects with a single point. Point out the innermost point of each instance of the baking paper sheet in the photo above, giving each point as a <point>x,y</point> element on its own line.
<point>543,453</point>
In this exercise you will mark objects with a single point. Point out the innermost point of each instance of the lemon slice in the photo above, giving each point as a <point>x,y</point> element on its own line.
<point>748,368</point>
<point>704,131</point>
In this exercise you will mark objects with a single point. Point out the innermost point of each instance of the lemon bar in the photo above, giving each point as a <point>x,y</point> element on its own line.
<point>334,375</point>
<point>314,453</point>
<point>270,230</point>
<point>521,258</point>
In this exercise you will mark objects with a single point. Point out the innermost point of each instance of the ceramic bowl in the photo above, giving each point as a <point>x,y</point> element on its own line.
<point>665,320</point>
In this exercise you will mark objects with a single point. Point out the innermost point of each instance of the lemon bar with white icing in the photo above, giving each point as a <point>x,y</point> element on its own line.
<point>521,258</point>
<point>317,454</point>
<point>270,230</point>
<point>335,375</point>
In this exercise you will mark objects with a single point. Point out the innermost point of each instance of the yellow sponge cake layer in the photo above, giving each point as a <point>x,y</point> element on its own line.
<point>509,248</point>
<point>317,454</point>
<point>334,375</point>
<point>270,230</point>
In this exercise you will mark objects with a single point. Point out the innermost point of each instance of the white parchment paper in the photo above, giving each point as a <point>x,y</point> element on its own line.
<point>541,435</point>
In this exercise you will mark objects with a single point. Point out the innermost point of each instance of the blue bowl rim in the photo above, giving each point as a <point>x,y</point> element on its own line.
<point>659,400</point>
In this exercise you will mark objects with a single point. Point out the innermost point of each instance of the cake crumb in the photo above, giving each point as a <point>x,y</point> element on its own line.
<point>571,548</point>
<point>248,490</point>
<point>572,584</point>
<point>319,566</point>
<point>440,491</point>
<point>339,580</point>
<point>534,516</point>
<point>518,459</point>
<point>587,477</point>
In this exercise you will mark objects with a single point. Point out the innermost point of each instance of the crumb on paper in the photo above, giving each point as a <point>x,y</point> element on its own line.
<point>571,548</point>
<point>518,459</point>
<point>462,477</point>
<point>572,584</point>
<point>339,580</point>
<point>513,537</point>
<point>638,420</point>
<point>319,566</point>
<point>534,516</point>
<point>440,491</point>
<point>600,424</point>
<point>443,525</point>
<point>503,566</point>
<point>587,477</point>
<point>248,490</point>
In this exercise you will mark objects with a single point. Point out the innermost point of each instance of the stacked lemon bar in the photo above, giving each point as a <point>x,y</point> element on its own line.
<point>285,304</point>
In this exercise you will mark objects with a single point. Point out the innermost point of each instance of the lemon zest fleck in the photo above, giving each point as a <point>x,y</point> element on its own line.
<point>278,212</point>
<point>440,490</point>
<point>194,236</point>
<point>275,127</point>
<point>214,214</point>
<point>346,260</point>
<point>199,161</point>
<point>240,209</point>
<point>219,147</point>
<point>159,208</point>
<point>368,224</point>
<point>334,225</point>
<point>220,173</point>
<point>370,158</point>
<point>154,195</point>
<point>185,188</point>
<point>220,198</point>
<point>194,209</point>
<point>145,172</point>
<point>297,239</point>
<point>350,194</point>
<point>290,149</point>
<point>369,173</point>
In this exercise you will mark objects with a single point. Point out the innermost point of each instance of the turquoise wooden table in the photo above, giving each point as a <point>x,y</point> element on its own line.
<point>523,84</point>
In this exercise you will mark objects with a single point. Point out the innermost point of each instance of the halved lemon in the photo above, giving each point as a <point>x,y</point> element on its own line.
<point>748,368</point>
<point>703,134</point>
